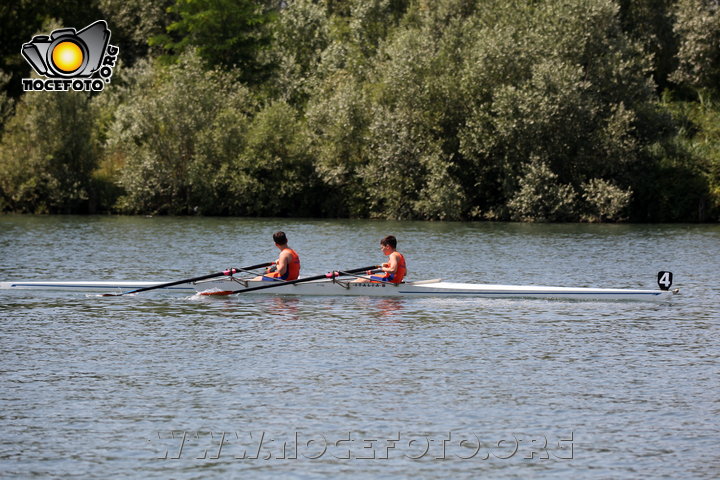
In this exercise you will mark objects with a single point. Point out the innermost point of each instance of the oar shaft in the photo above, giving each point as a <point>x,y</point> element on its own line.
<point>227,272</point>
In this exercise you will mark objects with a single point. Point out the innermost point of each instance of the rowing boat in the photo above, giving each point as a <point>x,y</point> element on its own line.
<point>337,287</point>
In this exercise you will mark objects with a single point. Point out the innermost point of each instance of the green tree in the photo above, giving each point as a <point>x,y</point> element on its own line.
<point>48,154</point>
<point>541,197</point>
<point>175,152</point>
<point>300,35</point>
<point>274,174</point>
<point>560,82</point>
<point>687,182</point>
<point>226,33</point>
<point>338,117</point>
<point>370,22</point>
<point>604,200</point>
<point>698,29</point>
<point>6,102</point>
<point>411,170</point>
<point>407,175</point>
<point>133,23</point>
<point>650,22</point>
<point>434,109</point>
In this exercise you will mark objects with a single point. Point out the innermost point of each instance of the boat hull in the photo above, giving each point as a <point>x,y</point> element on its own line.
<point>435,289</point>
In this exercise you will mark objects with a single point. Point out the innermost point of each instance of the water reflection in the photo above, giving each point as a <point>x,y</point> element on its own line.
<point>284,308</point>
<point>389,307</point>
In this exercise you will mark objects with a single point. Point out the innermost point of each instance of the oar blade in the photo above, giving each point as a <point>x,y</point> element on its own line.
<point>217,293</point>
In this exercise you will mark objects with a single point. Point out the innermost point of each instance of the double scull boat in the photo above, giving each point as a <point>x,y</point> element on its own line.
<point>335,286</point>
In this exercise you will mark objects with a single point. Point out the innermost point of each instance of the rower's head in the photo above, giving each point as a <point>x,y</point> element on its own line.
<point>388,244</point>
<point>280,239</point>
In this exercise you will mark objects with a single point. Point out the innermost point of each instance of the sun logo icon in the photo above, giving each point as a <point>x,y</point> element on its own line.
<point>67,57</point>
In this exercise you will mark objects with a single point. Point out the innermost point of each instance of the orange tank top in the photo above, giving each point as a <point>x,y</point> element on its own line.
<point>293,268</point>
<point>401,268</point>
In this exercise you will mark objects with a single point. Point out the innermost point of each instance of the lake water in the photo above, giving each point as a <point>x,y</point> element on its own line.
<point>166,385</point>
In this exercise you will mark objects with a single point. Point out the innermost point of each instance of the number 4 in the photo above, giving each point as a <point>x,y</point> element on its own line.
<point>665,280</point>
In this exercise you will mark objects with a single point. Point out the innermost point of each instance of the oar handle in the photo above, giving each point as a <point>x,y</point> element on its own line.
<point>234,270</point>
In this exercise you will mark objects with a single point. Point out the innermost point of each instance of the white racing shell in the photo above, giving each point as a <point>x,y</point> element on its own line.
<point>335,287</point>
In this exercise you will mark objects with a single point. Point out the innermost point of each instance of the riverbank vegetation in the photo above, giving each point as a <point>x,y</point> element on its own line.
<point>549,110</point>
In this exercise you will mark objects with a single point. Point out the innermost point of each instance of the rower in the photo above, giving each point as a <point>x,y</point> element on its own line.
<point>287,266</point>
<point>394,270</point>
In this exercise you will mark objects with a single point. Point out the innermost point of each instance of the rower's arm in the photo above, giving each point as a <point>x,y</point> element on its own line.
<point>392,264</point>
<point>282,263</point>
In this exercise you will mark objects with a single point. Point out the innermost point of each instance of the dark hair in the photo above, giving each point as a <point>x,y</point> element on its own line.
<point>280,238</point>
<point>389,240</point>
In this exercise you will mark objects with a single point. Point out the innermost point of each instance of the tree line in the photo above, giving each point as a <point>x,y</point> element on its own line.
<point>544,110</point>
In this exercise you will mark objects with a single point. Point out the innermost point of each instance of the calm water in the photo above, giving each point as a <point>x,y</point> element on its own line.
<point>151,386</point>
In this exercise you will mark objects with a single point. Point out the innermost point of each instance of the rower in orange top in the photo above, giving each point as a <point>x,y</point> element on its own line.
<point>287,266</point>
<point>395,269</point>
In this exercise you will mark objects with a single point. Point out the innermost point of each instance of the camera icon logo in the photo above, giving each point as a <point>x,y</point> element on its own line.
<point>68,54</point>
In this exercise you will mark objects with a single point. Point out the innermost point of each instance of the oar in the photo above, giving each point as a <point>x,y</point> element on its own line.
<point>291,282</point>
<point>227,272</point>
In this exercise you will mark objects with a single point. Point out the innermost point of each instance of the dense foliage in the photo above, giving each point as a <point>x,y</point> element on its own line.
<point>551,110</point>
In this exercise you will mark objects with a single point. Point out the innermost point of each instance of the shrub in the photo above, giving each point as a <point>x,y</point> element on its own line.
<point>48,153</point>
<point>604,201</point>
<point>541,198</point>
